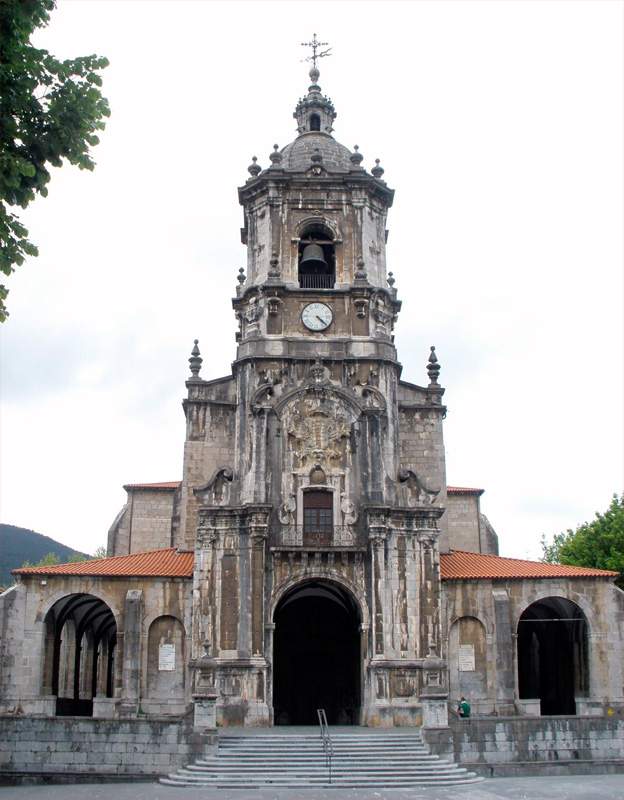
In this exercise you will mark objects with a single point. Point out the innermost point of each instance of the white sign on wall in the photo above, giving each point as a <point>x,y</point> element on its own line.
<point>166,657</point>
<point>466,658</point>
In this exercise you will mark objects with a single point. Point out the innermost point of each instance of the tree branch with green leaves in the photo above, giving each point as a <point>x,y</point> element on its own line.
<point>50,112</point>
<point>598,544</point>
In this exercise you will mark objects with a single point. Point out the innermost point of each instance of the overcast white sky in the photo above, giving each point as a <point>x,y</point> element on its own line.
<point>499,125</point>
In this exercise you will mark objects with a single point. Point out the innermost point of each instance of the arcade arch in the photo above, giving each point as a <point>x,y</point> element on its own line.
<point>553,663</point>
<point>79,659</point>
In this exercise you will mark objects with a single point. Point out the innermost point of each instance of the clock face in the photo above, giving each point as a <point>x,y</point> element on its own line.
<point>317,316</point>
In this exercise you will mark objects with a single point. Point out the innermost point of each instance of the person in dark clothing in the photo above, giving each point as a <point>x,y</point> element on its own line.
<point>463,709</point>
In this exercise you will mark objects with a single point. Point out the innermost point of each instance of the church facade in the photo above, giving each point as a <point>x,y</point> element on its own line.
<point>313,554</point>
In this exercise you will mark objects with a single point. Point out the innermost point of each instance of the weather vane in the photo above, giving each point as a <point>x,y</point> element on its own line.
<point>315,44</point>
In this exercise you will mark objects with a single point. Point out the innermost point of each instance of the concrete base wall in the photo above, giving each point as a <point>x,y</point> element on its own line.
<point>48,747</point>
<point>532,745</point>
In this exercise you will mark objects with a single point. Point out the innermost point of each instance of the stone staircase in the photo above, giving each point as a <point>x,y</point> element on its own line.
<point>381,759</point>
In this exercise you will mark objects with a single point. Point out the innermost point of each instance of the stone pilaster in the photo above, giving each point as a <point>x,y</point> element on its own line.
<point>131,669</point>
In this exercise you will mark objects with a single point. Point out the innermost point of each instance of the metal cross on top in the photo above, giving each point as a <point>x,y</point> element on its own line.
<point>315,44</point>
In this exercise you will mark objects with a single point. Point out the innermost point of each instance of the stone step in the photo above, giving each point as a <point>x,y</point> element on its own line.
<point>390,739</point>
<point>312,746</point>
<point>230,751</point>
<point>432,767</point>
<point>358,761</point>
<point>355,783</point>
<point>311,760</point>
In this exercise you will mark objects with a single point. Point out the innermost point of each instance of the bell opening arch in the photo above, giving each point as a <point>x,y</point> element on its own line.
<point>317,654</point>
<point>317,257</point>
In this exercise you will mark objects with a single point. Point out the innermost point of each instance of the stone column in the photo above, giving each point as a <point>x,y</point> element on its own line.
<point>258,536</point>
<point>132,645</point>
<point>377,536</point>
<point>434,692</point>
<point>102,668</point>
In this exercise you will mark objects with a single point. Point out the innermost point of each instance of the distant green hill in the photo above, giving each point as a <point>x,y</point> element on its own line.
<point>20,544</point>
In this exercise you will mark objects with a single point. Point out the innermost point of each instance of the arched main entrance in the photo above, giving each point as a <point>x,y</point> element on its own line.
<point>552,654</point>
<point>316,655</point>
<point>81,634</point>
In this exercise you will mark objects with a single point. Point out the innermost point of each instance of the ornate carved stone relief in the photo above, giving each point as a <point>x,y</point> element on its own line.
<point>418,494</point>
<point>216,492</point>
<point>318,428</point>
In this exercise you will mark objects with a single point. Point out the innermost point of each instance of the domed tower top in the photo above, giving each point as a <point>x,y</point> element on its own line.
<point>315,112</point>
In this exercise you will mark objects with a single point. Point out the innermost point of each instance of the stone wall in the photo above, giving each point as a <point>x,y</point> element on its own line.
<point>532,745</point>
<point>209,446</point>
<point>82,747</point>
<point>462,513</point>
<point>421,445</point>
<point>150,519</point>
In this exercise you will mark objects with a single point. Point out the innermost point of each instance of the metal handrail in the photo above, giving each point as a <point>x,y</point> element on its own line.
<point>326,740</point>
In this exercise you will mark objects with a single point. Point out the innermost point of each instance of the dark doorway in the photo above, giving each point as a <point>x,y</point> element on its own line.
<point>316,656</point>
<point>552,655</point>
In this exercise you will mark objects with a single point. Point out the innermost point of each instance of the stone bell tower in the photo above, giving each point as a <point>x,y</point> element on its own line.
<point>313,475</point>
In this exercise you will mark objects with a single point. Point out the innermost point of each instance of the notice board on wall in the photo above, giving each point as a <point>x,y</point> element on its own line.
<point>166,657</point>
<point>466,658</point>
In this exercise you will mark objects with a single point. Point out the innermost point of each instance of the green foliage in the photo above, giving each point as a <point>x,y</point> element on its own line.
<point>47,561</point>
<point>18,545</point>
<point>599,543</point>
<point>76,557</point>
<point>50,111</point>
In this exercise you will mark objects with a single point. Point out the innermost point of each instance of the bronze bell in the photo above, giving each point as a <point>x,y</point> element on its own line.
<point>313,258</point>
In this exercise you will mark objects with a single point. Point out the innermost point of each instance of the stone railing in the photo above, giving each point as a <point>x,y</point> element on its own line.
<point>330,536</point>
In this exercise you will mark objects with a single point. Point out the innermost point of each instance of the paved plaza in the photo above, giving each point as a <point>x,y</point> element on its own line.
<point>578,787</point>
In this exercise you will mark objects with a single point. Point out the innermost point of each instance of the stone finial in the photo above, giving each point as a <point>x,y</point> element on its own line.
<point>195,360</point>
<point>433,368</point>
<point>391,280</point>
<point>377,171</point>
<point>274,266</point>
<point>254,169</point>
<point>360,272</point>
<point>241,276</point>
<point>356,157</point>
<point>276,156</point>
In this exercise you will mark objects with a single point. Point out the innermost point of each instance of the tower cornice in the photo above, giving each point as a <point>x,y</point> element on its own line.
<point>301,180</point>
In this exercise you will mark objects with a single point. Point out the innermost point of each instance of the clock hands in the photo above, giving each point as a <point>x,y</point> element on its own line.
<point>321,320</point>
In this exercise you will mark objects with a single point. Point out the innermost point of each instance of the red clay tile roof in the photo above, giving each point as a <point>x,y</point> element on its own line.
<point>460,565</point>
<point>456,565</point>
<point>169,563</point>
<point>163,485</point>
<point>176,484</point>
